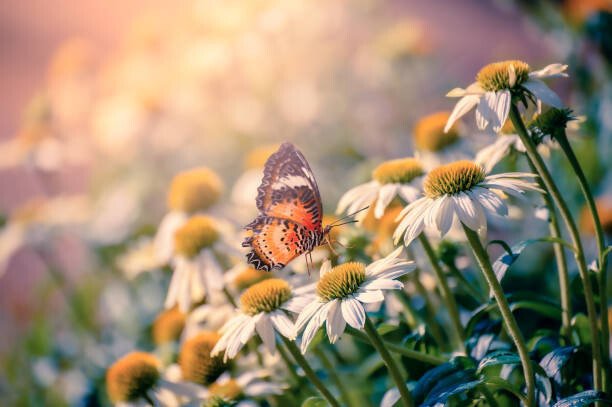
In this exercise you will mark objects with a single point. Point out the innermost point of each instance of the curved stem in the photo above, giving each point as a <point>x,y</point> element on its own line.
<point>511,325</point>
<point>310,373</point>
<point>564,284</point>
<point>333,375</point>
<point>555,194</point>
<point>446,293</point>
<point>380,347</point>
<point>409,353</point>
<point>601,247</point>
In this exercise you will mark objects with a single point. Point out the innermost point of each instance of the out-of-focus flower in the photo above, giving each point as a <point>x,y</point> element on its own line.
<point>383,229</point>
<point>246,386</point>
<point>343,291</point>
<point>197,270</point>
<point>139,257</point>
<point>402,38</point>
<point>434,146</point>
<point>395,178</point>
<point>136,379</point>
<point>196,362</point>
<point>463,190</point>
<point>168,326</point>
<point>190,192</point>
<point>578,11</point>
<point>242,276</point>
<point>210,316</point>
<point>36,221</point>
<point>495,85</point>
<point>263,311</point>
<point>604,210</point>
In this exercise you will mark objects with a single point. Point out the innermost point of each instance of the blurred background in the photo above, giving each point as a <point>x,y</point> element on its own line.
<point>103,102</point>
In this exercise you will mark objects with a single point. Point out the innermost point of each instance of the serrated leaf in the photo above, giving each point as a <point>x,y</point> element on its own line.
<point>501,357</point>
<point>583,399</point>
<point>315,402</point>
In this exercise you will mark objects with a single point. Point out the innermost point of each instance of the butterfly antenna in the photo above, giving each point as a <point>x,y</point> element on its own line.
<point>350,215</point>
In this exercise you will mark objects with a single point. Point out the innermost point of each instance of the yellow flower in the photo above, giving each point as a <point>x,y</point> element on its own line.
<point>168,326</point>
<point>197,365</point>
<point>132,376</point>
<point>429,133</point>
<point>194,190</point>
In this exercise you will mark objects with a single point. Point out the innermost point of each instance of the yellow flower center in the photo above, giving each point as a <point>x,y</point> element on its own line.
<point>400,171</point>
<point>453,178</point>
<point>250,276</point>
<point>194,190</point>
<point>265,296</point>
<point>498,76</point>
<point>198,233</point>
<point>229,390</point>
<point>257,157</point>
<point>429,133</point>
<point>168,326</point>
<point>341,281</point>
<point>130,377</point>
<point>197,365</point>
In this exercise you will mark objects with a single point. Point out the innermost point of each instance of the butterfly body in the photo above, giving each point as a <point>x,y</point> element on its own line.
<point>290,219</point>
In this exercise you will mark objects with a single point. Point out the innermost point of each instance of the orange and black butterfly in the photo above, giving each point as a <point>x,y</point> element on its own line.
<point>290,212</point>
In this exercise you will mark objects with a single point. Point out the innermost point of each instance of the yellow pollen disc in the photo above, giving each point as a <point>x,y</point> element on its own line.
<point>341,281</point>
<point>400,171</point>
<point>196,364</point>
<point>168,326</point>
<point>453,178</point>
<point>257,157</point>
<point>496,76</point>
<point>194,190</point>
<point>265,296</point>
<point>250,276</point>
<point>229,390</point>
<point>429,133</point>
<point>130,377</point>
<point>197,233</point>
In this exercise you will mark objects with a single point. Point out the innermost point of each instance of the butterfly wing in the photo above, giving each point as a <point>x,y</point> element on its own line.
<point>275,242</point>
<point>289,202</point>
<point>289,190</point>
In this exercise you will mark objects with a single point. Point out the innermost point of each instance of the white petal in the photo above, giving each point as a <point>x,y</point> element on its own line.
<point>490,155</point>
<point>307,314</point>
<point>409,193</point>
<point>325,268</point>
<point>466,211</point>
<point>369,296</point>
<point>385,195</point>
<point>283,324</point>
<point>265,331</point>
<point>550,71</point>
<point>353,313</point>
<point>313,326</point>
<point>391,397</point>
<point>464,105</point>
<point>490,201</point>
<point>368,190</point>
<point>335,323</point>
<point>297,303</point>
<point>542,92</point>
<point>445,215</point>
<point>383,284</point>
<point>502,109</point>
<point>379,265</point>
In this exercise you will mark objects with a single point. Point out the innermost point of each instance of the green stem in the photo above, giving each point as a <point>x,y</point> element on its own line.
<point>445,292</point>
<point>310,373</point>
<point>408,353</point>
<point>283,354</point>
<point>573,231</point>
<point>511,325</point>
<point>564,284</point>
<point>601,247</point>
<point>333,375</point>
<point>478,295</point>
<point>380,347</point>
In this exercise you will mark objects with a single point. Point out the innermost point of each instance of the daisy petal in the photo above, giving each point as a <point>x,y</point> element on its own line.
<point>265,331</point>
<point>283,324</point>
<point>464,105</point>
<point>542,92</point>
<point>335,323</point>
<point>369,296</point>
<point>353,313</point>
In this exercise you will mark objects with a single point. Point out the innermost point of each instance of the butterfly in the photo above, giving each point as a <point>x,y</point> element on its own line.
<point>290,212</point>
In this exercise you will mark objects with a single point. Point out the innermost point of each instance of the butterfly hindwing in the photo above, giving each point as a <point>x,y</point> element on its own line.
<point>275,242</point>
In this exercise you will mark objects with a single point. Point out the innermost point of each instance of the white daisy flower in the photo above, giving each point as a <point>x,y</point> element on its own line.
<point>344,291</point>
<point>210,316</point>
<point>247,385</point>
<point>433,146</point>
<point>492,92</point>
<point>139,257</point>
<point>190,192</point>
<point>393,178</point>
<point>459,190</point>
<point>197,271</point>
<point>263,311</point>
<point>136,380</point>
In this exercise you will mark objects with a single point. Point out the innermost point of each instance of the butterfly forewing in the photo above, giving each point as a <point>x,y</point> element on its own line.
<point>289,222</point>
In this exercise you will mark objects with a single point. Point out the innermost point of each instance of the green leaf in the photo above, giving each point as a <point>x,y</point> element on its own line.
<point>384,328</point>
<point>554,361</point>
<point>581,329</point>
<point>501,357</point>
<point>499,383</point>
<point>583,399</point>
<point>315,402</point>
